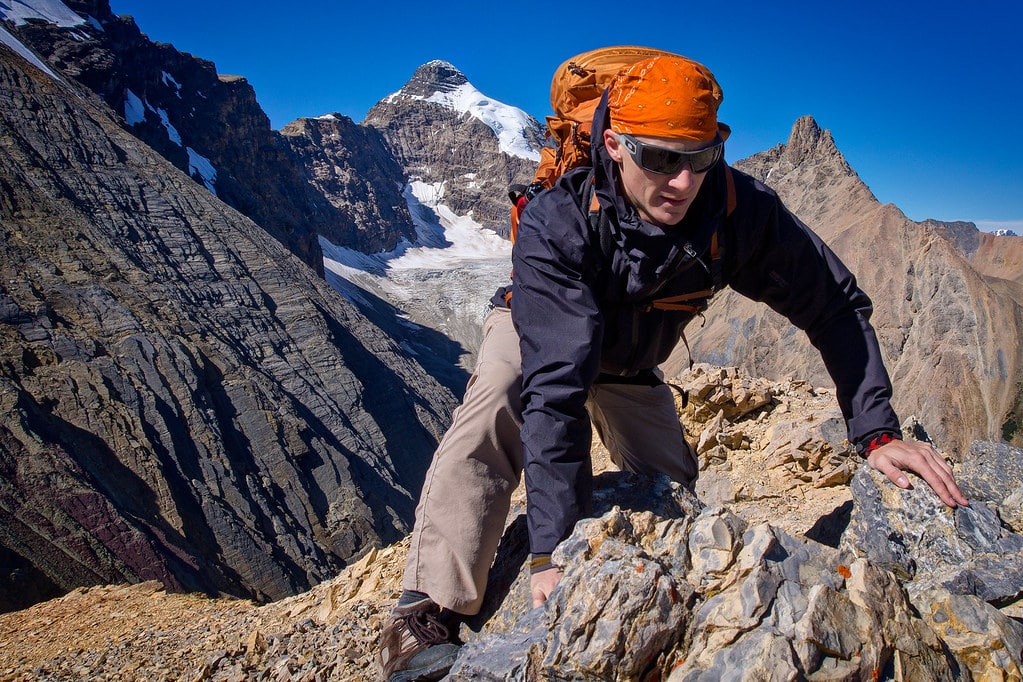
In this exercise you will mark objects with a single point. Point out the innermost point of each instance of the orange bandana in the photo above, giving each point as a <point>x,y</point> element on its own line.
<point>668,96</point>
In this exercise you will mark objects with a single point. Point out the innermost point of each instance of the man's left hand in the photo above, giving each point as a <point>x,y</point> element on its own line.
<point>897,456</point>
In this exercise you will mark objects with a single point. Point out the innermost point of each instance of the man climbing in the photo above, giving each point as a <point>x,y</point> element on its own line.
<point>609,266</point>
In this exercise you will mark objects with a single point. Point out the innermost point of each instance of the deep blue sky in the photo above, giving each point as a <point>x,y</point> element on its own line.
<point>924,99</point>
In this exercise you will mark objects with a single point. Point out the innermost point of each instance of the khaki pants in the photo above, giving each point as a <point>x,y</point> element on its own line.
<point>467,493</point>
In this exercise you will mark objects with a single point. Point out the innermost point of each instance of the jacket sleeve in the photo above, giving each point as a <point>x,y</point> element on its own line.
<point>780,261</point>
<point>560,330</point>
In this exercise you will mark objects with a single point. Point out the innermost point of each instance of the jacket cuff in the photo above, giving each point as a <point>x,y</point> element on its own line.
<point>540,562</point>
<point>874,440</point>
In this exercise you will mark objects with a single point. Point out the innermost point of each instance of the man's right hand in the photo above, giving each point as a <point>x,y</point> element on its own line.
<point>542,583</point>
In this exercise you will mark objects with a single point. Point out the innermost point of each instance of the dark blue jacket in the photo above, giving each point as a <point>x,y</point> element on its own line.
<point>579,312</point>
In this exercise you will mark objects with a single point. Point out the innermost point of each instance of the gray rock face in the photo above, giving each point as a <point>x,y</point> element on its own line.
<point>351,166</point>
<point>183,400</point>
<point>913,535</point>
<point>697,595</point>
<point>990,471</point>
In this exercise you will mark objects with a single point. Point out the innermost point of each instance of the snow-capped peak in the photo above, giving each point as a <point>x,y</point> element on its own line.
<point>507,122</point>
<point>439,82</point>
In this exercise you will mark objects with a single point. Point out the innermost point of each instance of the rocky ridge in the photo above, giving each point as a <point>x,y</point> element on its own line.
<point>760,572</point>
<point>211,127</point>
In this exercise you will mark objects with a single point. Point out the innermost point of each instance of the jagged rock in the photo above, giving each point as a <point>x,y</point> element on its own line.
<point>966,551</point>
<point>990,471</point>
<point>989,642</point>
<point>507,595</point>
<point>714,390</point>
<point>703,597</point>
<point>1011,510</point>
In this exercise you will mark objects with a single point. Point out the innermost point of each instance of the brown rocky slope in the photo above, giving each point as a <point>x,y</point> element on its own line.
<point>950,320</point>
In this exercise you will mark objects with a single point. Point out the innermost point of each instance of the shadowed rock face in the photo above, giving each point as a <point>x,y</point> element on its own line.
<point>191,114</point>
<point>351,167</point>
<point>183,399</point>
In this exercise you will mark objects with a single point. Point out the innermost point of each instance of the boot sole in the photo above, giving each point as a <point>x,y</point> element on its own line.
<point>430,665</point>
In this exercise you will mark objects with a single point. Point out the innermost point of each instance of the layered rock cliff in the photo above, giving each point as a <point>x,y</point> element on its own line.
<point>183,400</point>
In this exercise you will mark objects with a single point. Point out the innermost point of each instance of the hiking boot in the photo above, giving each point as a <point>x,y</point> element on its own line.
<point>416,644</point>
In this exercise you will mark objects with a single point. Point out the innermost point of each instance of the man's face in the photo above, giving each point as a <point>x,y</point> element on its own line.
<point>662,200</point>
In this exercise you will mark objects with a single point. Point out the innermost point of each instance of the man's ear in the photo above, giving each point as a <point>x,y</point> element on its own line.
<point>614,149</point>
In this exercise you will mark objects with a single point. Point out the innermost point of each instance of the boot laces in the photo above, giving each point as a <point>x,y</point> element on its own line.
<point>425,628</point>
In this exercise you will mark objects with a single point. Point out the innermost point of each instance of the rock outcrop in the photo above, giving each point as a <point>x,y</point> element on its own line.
<point>775,583</point>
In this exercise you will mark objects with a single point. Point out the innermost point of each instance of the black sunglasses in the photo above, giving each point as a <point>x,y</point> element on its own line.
<point>664,161</point>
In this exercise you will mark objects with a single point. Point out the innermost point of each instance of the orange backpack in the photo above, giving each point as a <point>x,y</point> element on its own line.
<point>576,89</point>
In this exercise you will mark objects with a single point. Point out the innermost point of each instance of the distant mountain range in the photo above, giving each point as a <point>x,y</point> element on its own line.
<point>228,352</point>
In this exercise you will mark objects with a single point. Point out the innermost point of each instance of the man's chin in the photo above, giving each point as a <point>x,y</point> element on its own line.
<point>669,219</point>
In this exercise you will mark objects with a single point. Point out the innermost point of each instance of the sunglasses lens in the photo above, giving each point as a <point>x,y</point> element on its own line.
<point>660,160</point>
<point>669,161</point>
<point>702,160</point>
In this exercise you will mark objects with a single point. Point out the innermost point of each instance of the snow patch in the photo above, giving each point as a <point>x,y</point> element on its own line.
<point>507,122</point>
<point>444,281</point>
<point>444,240</point>
<point>172,132</point>
<point>30,56</point>
<point>53,11</point>
<point>169,81</point>
<point>134,109</point>
<point>201,166</point>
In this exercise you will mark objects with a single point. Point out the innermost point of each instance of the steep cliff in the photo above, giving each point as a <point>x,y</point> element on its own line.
<point>352,168</point>
<point>183,399</point>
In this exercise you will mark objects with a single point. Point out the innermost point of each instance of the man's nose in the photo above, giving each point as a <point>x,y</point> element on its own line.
<point>683,179</point>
